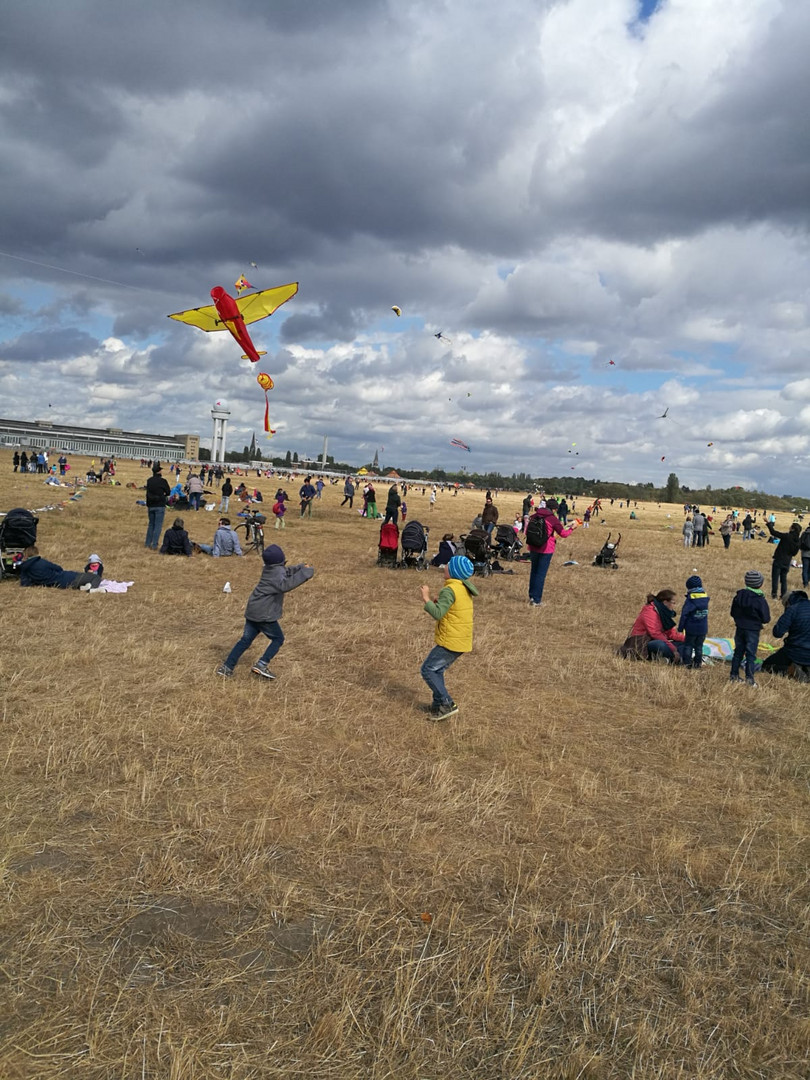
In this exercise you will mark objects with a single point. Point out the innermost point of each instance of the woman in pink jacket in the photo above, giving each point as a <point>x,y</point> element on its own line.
<point>541,539</point>
<point>653,635</point>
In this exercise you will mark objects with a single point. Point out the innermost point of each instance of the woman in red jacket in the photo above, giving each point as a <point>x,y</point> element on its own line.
<point>654,635</point>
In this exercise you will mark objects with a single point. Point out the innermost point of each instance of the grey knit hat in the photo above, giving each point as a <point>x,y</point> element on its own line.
<point>753,579</point>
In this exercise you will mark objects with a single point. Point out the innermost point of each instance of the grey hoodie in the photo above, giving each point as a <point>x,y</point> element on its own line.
<point>267,599</point>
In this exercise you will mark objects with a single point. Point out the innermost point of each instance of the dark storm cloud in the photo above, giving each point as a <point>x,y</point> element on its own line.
<point>47,345</point>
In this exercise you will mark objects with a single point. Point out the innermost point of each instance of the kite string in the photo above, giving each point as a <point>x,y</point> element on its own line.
<point>76,273</point>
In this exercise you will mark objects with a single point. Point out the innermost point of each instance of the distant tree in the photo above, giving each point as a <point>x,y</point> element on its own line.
<point>673,491</point>
<point>204,454</point>
<point>288,458</point>
<point>295,457</point>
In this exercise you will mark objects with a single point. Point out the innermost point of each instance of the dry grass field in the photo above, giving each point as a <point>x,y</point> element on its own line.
<point>597,870</point>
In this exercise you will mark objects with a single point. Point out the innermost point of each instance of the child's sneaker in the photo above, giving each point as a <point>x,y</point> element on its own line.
<point>263,670</point>
<point>443,712</point>
<point>225,672</point>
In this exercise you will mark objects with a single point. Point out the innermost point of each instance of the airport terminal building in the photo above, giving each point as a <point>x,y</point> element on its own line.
<point>97,442</point>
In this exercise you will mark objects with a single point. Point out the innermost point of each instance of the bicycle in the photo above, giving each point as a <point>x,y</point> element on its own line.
<point>254,531</point>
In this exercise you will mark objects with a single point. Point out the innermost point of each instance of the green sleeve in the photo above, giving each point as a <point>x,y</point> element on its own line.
<point>440,607</point>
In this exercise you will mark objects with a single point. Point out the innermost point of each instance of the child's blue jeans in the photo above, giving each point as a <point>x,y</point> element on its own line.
<point>271,630</point>
<point>745,644</point>
<point>437,662</point>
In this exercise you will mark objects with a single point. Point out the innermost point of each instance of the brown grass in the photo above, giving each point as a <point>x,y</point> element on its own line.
<point>227,879</point>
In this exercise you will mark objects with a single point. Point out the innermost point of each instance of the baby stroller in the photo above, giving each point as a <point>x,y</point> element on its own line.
<point>389,546</point>
<point>18,530</point>
<point>607,556</point>
<point>414,546</point>
<point>476,544</point>
<point>507,543</point>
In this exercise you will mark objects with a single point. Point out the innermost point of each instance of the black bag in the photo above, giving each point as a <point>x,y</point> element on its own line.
<point>18,528</point>
<point>537,531</point>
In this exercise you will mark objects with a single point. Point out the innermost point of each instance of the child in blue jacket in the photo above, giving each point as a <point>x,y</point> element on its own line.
<point>750,612</point>
<point>694,622</point>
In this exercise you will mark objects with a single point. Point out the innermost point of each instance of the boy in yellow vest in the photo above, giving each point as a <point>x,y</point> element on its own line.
<point>453,612</point>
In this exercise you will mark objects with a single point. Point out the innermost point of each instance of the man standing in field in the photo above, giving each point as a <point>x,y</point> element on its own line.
<point>157,492</point>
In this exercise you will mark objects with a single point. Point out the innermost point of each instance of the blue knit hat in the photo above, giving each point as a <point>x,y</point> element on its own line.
<point>460,567</point>
<point>694,582</point>
<point>273,555</point>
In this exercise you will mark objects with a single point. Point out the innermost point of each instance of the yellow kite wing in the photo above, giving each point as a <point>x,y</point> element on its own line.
<point>261,304</point>
<point>205,317</point>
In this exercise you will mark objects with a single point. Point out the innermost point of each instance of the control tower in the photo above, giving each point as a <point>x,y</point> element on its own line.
<point>220,414</point>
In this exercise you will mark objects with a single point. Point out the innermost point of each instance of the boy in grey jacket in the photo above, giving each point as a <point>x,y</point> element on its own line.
<point>264,609</point>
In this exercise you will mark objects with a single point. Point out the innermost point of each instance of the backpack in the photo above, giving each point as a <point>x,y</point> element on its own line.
<point>537,531</point>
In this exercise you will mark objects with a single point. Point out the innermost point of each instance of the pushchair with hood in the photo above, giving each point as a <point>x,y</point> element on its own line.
<point>607,556</point>
<point>414,546</point>
<point>18,530</point>
<point>476,545</point>
<point>389,546</point>
<point>507,543</point>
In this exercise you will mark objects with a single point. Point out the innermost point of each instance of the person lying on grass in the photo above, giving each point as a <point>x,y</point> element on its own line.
<point>34,570</point>
<point>264,609</point>
<point>453,612</point>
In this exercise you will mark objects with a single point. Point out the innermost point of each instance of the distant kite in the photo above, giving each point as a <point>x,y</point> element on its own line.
<point>266,383</point>
<point>663,458</point>
<point>397,311</point>
<point>443,337</point>
<point>460,445</point>
<point>663,415</point>
<point>242,283</point>
<point>255,265</point>
<point>710,444</point>
<point>232,315</point>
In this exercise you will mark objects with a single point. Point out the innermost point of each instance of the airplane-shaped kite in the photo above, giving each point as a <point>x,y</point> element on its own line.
<point>227,313</point>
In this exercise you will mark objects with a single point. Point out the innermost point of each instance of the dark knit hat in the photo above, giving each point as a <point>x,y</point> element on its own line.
<point>273,555</point>
<point>552,504</point>
<point>694,582</point>
<point>753,579</point>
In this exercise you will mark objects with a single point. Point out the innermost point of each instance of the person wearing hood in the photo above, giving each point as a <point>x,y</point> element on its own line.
<point>176,541</point>
<point>447,549</point>
<point>694,622</point>
<point>786,551</point>
<point>453,612</point>
<point>794,626</point>
<point>264,609</point>
<point>541,539</point>
<point>34,570</point>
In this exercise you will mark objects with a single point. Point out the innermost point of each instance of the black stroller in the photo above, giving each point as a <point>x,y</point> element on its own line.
<point>414,543</point>
<point>607,556</point>
<point>18,530</point>
<point>476,545</point>
<point>507,543</point>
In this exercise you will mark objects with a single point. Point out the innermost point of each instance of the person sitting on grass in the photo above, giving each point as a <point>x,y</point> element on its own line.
<point>34,570</point>
<point>264,608</point>
<point>447,549</point>
<point>453,612</point>
<point>794,626</point>
<point>176,541</point>
<point>226,542</point>
<point>653,635</point>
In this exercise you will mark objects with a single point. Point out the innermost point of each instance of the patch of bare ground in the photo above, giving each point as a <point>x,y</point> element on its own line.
<point>597,870</point>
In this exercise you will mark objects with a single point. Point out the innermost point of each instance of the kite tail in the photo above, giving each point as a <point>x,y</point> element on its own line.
<point>266,412</point>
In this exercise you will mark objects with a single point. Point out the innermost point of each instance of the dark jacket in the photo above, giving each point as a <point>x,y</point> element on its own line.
<point>157,490</point>
<point>266,602</point>
<point>796,624</point>
<point>394,501</point>
<point>787,548</point>
<point>749,610</point>
<point>175,542</point>
<point>38,571</point>
<point>695,613</point>
<point>489,515</point>
<point>227,487</point>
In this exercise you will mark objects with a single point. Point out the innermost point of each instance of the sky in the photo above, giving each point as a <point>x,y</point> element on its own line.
<point>551,185</point>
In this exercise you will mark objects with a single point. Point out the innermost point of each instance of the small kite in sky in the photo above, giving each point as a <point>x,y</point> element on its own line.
<point>242,283</point>
<point>255,265</point>
<point>232,315</point>
<point>460,445</point>
<point>443,337</point>
<point>710,444</point>
<point>663,415</point>
<point>664,458</point>
<point>266,383</point>
<point>397,311</point>
<point>611,363</point>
